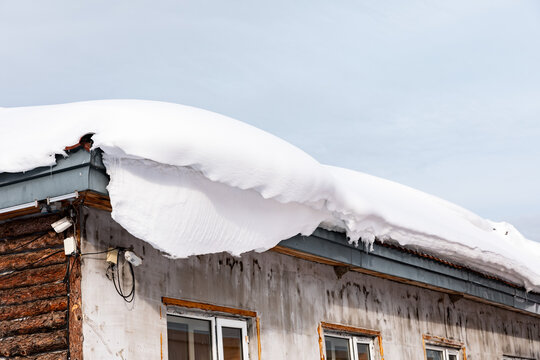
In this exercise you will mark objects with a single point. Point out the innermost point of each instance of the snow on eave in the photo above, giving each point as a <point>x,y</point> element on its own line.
<point>228,186</point>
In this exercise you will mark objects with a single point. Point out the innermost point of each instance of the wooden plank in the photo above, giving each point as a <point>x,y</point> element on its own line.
<point>32,293</point>
<point>33,308</point>
<point>25,345</point>
<point>29,277</point>
<point>44,322</point>
<point>321,341</point>
<point>304,256</point>
<point>17,213</point>
<point>259,348</point>
<point>208,307</point>
<point>32,259</point>
<point>30,242</point>
<point>438,340</point>
<point>350,329</point>
<point>75,311</point>
<point>57,355</point>
<point>27,226</point>
<point>381,350</point>
<point>98,201</point>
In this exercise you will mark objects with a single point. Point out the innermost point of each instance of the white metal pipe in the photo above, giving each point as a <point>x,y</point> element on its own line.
<point>19,207</point>
<point>63,197</point>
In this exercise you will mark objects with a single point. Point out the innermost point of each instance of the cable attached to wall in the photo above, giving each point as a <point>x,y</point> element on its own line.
<point>114,272</point>
<point>122,256</point>
<point>129,297</point>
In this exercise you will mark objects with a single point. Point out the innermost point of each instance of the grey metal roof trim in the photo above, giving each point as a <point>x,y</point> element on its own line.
<point>81,170</point>
<point>421,269</point>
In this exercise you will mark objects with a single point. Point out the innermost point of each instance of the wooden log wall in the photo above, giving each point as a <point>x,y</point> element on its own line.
<point>34,292</point>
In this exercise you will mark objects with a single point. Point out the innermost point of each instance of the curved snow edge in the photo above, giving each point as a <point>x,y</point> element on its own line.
<point>212,183</point>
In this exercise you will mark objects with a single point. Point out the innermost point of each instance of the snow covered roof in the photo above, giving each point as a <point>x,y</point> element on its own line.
<point>189,181</point>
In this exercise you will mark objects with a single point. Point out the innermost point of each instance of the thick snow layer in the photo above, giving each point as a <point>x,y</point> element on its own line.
<point>183,213</point>
<point>189,181</point>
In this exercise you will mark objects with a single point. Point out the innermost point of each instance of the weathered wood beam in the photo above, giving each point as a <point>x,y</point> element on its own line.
<point>25,345</point>
<point>22,212</point>
<point>32,259</point>
<point>33,308</point>
<point>30,242</point>
<point>32,293</point>
<point>45,322</point>
<point>98,201</point>
<point>58,355</point>
<point>75,311</point>
<point>36,276</point>
<point>24,226</point>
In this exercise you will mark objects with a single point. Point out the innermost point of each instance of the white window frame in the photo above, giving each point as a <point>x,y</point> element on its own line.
<point>216,325</point>
<point>363,340</point>
<point>237,324</point>
<point>445,350</point>
<point>353,340</point>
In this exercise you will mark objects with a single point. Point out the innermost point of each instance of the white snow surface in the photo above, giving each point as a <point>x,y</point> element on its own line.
<point>189,181</point>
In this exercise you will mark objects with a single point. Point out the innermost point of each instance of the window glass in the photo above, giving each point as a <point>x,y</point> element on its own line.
<point>363,351</point>
<point>232,343</point>
<point>434,354</point>
<point>189,339</point>
<point>452,357</point>
<point>337,348</point>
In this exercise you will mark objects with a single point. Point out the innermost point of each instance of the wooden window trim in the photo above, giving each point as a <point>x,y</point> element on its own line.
<point>443,342</point>
<point>353,330</point>
<point>219,309</point>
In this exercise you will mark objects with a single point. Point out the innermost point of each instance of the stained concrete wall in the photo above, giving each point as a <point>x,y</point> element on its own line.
<point>291,296</point>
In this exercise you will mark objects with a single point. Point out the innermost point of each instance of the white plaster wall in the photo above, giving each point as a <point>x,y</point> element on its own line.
<point>291,297</point>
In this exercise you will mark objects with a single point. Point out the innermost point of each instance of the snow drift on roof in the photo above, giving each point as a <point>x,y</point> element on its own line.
<point>212,184</point>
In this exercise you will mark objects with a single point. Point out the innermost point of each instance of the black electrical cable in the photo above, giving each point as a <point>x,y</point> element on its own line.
<point>98,252</point>
<point>119,288</point>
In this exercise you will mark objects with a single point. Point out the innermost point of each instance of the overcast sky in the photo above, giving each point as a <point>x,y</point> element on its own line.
<point>443,96</point>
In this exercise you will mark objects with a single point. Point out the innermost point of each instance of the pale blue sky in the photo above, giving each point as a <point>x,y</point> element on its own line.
<point>443,96</point>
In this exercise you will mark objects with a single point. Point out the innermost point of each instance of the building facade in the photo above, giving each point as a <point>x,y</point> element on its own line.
<point>315,297</point>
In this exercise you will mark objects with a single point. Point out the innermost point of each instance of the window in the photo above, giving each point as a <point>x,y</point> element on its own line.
<point>193,337</point>
<point>440,353</point>
<point>340,346</point>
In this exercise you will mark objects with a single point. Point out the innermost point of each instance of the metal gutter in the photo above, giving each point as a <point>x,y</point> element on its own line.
<point>80,171</point>
<point>399,264</point>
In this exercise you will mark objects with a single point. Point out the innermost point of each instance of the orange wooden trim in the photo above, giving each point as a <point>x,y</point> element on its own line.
<point>208,307</point>
<point>304,256</point>
<point>381,351</point>
<point>353,330</point>
<point>424,346</point>
<point>258,321</point>
<point>437,340</point>
<point>161,344</point>
<point>321,348</point>
<point>350,329</point>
